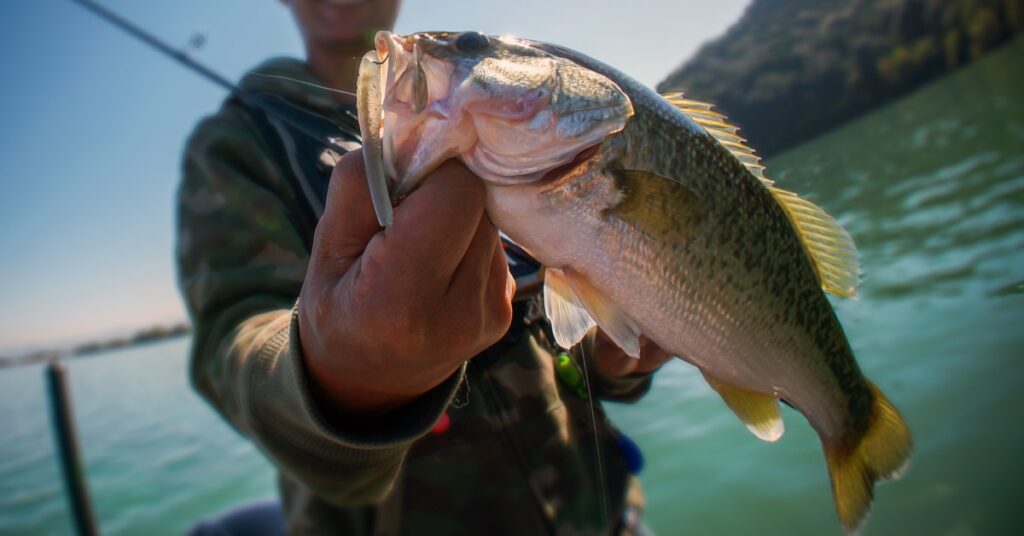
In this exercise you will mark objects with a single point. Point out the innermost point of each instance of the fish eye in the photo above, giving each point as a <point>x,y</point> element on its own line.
<point>471,42</point>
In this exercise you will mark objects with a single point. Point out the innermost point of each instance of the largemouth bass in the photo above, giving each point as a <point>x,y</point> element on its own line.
<point>652,219</point>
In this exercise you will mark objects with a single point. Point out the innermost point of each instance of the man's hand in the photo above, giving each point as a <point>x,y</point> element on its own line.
<point>613,362</point>
<point>384,316</point>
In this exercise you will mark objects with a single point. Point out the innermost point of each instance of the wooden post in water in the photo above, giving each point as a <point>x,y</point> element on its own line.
<point>68,450</point>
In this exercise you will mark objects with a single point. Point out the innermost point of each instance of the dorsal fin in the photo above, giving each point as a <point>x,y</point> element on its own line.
<point>715,124</point>
<point>832,251</point>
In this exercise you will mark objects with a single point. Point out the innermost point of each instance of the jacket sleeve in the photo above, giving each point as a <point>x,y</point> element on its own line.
<point>241,262</point>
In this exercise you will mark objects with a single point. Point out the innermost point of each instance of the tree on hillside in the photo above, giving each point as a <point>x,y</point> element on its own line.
<point>789,70</point>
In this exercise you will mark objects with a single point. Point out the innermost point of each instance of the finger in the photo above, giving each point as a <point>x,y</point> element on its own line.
<point>349,221</point>
<point>436,224</point>
<point>611,360</point>
<point>500,272</point>
<point>481,296</point>
<point>499,288</point>
<point>652,357</point>
<point>473,271</point>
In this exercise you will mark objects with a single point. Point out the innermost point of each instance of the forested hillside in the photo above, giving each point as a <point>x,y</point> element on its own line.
<point>789,70</point>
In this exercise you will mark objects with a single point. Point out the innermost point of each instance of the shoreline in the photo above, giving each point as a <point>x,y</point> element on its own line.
<point>141,337</point>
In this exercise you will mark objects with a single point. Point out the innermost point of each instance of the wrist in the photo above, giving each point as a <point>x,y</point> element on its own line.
<point>348,391</point>
<point>341,392</point>
<point>350,401</point>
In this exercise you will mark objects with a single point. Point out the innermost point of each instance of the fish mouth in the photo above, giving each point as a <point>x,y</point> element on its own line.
<point>385,41</point>
<point>411,72</point>
<point>419,129</point>
<point>437,104</point>
<point>560,172</point>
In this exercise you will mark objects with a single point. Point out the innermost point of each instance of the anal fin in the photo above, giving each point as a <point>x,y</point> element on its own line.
<point>758,411</point>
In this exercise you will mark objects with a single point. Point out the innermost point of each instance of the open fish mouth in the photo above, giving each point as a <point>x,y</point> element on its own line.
<point>510,112</point>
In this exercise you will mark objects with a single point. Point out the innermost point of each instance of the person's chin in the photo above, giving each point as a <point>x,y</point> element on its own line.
<point>346,37</point>
<point>343,12</point>
<point>347,28</point>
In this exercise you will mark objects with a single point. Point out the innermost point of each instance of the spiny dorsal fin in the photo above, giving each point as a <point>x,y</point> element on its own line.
<point>716,125</point>
<point>832,251</point>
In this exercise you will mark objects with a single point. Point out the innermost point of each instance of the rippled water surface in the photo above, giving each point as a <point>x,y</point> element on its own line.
<point>931,188</point>
<point>158,458</point>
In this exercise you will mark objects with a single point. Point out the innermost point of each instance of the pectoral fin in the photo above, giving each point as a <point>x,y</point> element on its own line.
<point>661,206</point>
<point>758,411</point>
<point>573,305</point>
<point>569,319</point>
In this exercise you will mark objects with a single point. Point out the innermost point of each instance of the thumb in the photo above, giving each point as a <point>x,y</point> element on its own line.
<point>349,221</point>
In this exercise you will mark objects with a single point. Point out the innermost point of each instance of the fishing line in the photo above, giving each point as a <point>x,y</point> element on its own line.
<point>287,114</point>
<point>605,509</point>
<point>304,83</point>
<point>279,110</point>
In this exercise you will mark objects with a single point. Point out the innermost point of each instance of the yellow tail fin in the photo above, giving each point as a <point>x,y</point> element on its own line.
<point>883,453</point>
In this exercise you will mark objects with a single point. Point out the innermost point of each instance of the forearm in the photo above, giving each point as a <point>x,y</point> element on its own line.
<point>259,383</point>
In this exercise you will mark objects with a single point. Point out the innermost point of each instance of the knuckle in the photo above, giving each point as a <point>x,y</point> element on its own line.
<point>501,320</point>
<point>364,282</point>
<point>363,297</point>
<point>349,166</point>
<point>493,321</point>
<point>371,269</point>
<point>501,291</point>
<point>500,314</point>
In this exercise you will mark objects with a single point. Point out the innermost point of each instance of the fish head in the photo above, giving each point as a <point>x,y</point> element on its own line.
<point>508,110</point>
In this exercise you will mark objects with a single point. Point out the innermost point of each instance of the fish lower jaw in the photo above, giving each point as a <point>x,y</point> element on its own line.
<point>493,170</point>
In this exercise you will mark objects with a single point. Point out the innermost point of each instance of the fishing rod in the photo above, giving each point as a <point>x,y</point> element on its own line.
<point>278,108</point>
<point>528,272</point>
<point>528,282</point>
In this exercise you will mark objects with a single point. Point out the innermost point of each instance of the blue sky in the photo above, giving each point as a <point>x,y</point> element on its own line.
<point>93,126</point>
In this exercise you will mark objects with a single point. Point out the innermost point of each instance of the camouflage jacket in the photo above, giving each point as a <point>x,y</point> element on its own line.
<point>518,452</point>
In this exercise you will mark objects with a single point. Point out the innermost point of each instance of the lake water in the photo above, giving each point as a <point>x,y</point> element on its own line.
<point>931,188</point>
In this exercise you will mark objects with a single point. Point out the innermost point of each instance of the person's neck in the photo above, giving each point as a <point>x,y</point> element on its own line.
<point>336,67</point>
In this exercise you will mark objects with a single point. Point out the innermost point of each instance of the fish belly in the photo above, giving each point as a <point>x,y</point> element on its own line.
<point>687,299</point>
